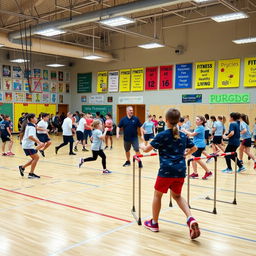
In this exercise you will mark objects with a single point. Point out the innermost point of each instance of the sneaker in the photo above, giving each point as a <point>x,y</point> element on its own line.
<point>227,170</point>
<point>194,176</point>
<point>33,176</point>
<point>111,148</point>
<point>10,154</point>
<point>241,169</point>
<point>85,149</point>
<point>21,169</point>
<point>80,162</point>
<point>249,158</point>
<point>106,171</point>
<point>56,150</point>
<point>207,175</point>
<point>127,163</point>
<point>75,149</point>
<point>193,226</point>
<point>42,153</point>
<point>72,154</point>
<point>149,225</point>
<point>254,166</point>
<point>155,150</point>
<point>4,154</point>
<point>241,162</point>
<point>106,147</point>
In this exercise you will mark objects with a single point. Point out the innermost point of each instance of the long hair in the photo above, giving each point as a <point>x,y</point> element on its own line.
<point>173,117</point>
<point>245,118</point>
<point>202,119</point>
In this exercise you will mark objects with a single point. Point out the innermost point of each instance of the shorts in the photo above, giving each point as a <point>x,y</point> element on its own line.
<point>5,138</point>
<point>163,184</point>
<point>87,133</point>
<point>198,153</point>
<point>254,137</point>
<point>134,143</point>
<point>79,135</point>
<point>30,152</point>
<point>43,137</point>
<point>207,134</point>
<point>247,142</point>
<point>148,137</point>
<point>109,133</point>
<point>217,140</point>
<point>68,139</point>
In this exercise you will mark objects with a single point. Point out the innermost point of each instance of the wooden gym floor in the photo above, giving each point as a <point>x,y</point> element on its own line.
<point>72,211</point>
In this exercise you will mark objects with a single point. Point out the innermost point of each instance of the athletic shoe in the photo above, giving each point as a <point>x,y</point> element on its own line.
<point>75,149</point>
<point>85,149</point>
<point>227,170</point>
<point>127,163</point>
<point>111,147</point>
<point>241,169</point>
<point>149,225</point>
<point>254,166</point>
<point>80,162</point>
<point>194,176</point>
<point>21,170</point>
<point>72,154</point>
<point>4,154</point>
<point>207,175</point>
<point>10,154</point>
<point>193,226</point>
<point>42,153</point>
<point>155,150</point>
<point>56,150</point>
<point>249,158</point>
<point>106,147</point>
<point>241,162</point>
<point>33,176</point>
<point>106,171</point>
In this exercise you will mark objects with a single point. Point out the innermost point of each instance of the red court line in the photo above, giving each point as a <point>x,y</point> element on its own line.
<point>66,205</point>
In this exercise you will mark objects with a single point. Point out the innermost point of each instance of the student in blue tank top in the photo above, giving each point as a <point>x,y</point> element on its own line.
<point>148,130</point>
<point>199,141</point>
<point>218,130</point>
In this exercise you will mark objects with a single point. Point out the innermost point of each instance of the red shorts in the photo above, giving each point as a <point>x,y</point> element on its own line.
<point>163,184</point>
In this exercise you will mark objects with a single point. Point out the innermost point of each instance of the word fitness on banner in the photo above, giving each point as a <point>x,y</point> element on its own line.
<point>166,77</point>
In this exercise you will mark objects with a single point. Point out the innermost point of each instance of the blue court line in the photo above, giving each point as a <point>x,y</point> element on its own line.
<point>212,231</point>
<point>83,183</point>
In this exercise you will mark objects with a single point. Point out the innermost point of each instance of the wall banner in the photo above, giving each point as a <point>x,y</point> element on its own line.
<point>192,98</point>
<point>250,72</point>
<point>204,75</point>
<point>229,98</point>
<point>130,100</point>
<point>102,81</point>
<point>113,81</point>
<point>96,99</point>
<point>84,82</point>
<point>151,78</point>
<point>166,77</point>
<point>125,80</point>
<point>137,79</point>
<point>183,78</point>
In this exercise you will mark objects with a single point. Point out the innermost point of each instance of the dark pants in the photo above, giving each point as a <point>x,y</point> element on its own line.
<point>94,157</point>
<point>66,140</point>
<point>231,148</point>
<point>206,135</point>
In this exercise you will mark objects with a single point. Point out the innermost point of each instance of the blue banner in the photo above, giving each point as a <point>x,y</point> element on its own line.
<point>183,78</point>
<point>191,98</point>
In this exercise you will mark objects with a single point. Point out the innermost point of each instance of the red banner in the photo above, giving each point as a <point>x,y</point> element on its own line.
<point>166,77</point>
<point>151,78</point>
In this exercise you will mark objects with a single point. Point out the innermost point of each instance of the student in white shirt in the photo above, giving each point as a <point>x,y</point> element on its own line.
<point>80,133</point>
<point>28,145</point>
<point>67,134</point>
<point>42,132</point>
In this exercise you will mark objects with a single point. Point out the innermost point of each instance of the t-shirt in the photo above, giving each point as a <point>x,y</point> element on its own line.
<point>89,122</point>
<point>42,124</point>
<point>109,124</point>
<point>148,126</point>
<point>155,122</point>
<point>247,135</point>
<point>171,153</point>
<point>81,125</point>
<point>187,125</point>
<point>29,131</point>
<point>199,139</point>
<point>219,128</point>
<point>235,139</point>
<point>3,128</point>
<point>130,126</point>
<point>21,119</point>
<point>162,125</point>
<point>97,143</point>
<point>67,127</point>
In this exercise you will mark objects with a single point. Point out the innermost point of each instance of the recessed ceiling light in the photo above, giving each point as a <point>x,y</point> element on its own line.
<point>55,65</point>
<point>230,16</point>
<point>117,21</point>
<point>151,45</point>
<point>92,57</point>
<point>50,32</point>
<point>1,45</point>
<point>19,60</point>
<point>245,40</point>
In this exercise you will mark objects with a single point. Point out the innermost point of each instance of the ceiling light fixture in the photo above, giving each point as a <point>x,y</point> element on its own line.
<point>230,17</point>
<point>50,32</point>
<point>55,65</point>
<point>117,21</point>
<point>92,57</point>
<point>151,45</point>
<point>201,1</point>
<point>1,45</point>
<point>245,40</point>
<point>19,61</point>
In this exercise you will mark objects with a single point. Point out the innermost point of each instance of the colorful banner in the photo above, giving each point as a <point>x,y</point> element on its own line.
<point>250,72</point>
<point>228,73</point>
<point>151,78</point>
<point>205,75</point>
<point>183,78</point>
<point>125,80</point>
<point>137,79</point>
<point>103,109</point>
<point>192,98</point>
<point>229,98</point>
<point>166,77</point>
<point>113,81</point>
<point>102,81</point>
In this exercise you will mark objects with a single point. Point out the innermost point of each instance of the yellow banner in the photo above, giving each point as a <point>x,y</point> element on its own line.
<point>250,72</point>
<point>204,75</point>
<point>125,80</point>
<point>137,79</point>
<point>228,73</point>
<point>102,81</point>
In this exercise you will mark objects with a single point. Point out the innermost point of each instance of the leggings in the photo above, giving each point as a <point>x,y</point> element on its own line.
<point>231,148</point>
<point>95,155</point>
<point>66,140</point>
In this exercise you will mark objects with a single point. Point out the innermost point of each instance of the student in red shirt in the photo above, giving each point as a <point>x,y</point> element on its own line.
<point>155,123</point>
<point>88,127</point>
<point>109,125</point>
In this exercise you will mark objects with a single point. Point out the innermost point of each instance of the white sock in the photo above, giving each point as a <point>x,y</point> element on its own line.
<point>153,222</point>
<point>189,218</point>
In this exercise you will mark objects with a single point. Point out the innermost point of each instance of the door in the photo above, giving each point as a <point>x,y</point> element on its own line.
<point>63,108</point>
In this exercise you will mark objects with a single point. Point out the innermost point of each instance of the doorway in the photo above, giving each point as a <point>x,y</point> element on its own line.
<point>63,108</point>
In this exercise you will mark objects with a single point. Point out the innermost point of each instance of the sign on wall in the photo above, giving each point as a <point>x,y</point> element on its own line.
<point>96,99</point>
<point>166,77</point>
<point>102,81</point>
<point>113,81</point>
<point>192,98</point>
<point>183,78</point>
<point>250,72</point>
<point>125,80</point>
<point>84,82</point>
<point>229,98</point>
<point>151,78</point>
<point>103,109</point>
<point>130,100</point>
<point>228,73</point>
<point>204,75</point>
<point>137,79</point>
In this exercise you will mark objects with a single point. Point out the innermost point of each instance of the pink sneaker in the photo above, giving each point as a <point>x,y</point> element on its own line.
<point>149,225</point>
<point>207,175</point>
<point>10,154</point>
<point>4,154</point>
<point>194,175</point>
<point>194,230</point>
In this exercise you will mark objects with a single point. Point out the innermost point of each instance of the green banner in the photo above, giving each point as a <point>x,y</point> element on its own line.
<point>103,109</point>
<point>241,98</point>
<point>84,82</point>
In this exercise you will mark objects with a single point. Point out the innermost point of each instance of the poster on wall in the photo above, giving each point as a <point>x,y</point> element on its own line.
<point>19,97</point>
<point>53,98</point>
<point>84,82</point>
<point>166,77</point>
<point>37,97</point>
<point>46,87</point>
<point>61,87</point>
<point>125,80</point>
<point>228,73</point>
<point>61,100</point>
<point>37,72</point>
<point>17,84</point>
<point>67,88</point>
<point>8,96</point>
<point>45,97</point>
<point>36,85</point>
<point>183,76</point>
<point>137,79</point>
<point>60,76</point>
<point>26,85</point>
<point>192,98</point>
<point>151,78</point>
<point>102,81</point>
<point>96,99</point>
<point>250,72</point>
<point>113,81</point>
<point>7,84</point>
<point>29,97</point>
<point>53,75</point>
<point>45,74</point>
<point>1,96</point>
<point>54,86</point>
<point>204,75</point>
<point>83,99</point>
<point>16,72</point>
<point>6,71</point>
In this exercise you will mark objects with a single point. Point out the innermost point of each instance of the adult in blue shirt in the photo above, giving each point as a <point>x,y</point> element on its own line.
<point>130,124</point>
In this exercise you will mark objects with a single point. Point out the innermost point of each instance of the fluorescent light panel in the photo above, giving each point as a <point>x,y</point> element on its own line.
<point>245,40</point>
<point>1,45</point>
<point>50,32</point>
<point>55,65</point>
<point>230,17</point>
<point>151,45</point>
<point>19,60</point>
<point>201,1</point>
<point>92,57</point>
<point>117,21</point>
